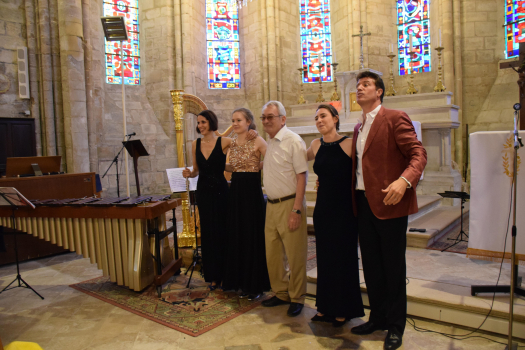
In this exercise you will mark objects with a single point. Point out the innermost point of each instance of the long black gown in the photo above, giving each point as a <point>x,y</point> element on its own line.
<point>246,267</point>
<point>338,290</point>
<point>212,196</point>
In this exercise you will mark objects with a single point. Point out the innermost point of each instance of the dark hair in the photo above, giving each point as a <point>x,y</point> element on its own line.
<point>249,117</point>
<point>211,118</point>
<point>332,111</point>
<point>377,81</point>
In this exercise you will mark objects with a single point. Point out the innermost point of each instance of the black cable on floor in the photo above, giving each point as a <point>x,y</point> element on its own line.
<point>468,335</point>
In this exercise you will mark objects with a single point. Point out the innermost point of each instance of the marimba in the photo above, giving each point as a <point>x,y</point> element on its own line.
<point>121,235</point>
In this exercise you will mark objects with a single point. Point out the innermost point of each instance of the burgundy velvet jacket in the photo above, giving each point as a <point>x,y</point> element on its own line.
<point>392,150</point>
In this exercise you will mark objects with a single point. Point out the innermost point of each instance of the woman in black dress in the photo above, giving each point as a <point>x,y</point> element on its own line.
<point>338,292</point>
<point>246,267</point>
<point>209,159</point>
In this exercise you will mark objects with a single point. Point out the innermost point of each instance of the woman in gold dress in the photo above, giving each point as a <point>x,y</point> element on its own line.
<point>245,266</point>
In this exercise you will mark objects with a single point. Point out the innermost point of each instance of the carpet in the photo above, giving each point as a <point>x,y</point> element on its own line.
<point>311,260</point>
<point>193,311</point>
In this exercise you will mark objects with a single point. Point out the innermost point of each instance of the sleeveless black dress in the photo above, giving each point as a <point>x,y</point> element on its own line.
<point>245,264</point>
<point>338,290</point>
<point>212,198</point>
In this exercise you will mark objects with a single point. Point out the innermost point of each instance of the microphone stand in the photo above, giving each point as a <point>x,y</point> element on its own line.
<point>115,160</point>
<point>514,270</point>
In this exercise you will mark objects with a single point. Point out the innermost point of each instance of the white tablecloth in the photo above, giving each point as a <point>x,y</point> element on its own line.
<point>491,159</point>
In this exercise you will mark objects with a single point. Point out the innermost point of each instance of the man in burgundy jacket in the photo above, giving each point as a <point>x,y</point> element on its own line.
<point>387,164</point>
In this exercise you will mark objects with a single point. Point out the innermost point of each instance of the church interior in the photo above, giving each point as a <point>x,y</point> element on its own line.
<point>70,89</point>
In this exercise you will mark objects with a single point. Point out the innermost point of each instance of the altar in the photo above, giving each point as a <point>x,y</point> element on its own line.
<point>434,112</point>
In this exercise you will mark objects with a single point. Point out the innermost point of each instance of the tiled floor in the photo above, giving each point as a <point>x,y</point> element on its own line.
<point>69,319</point>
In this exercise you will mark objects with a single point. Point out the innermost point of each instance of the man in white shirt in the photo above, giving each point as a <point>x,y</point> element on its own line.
<point>285,176</point>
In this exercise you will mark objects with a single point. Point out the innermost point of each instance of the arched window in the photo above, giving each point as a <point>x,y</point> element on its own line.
<point>413,21</point>
<point>316,40</point>
<point>514,26</point>
<point>222,42</point>
<point>131,62</point>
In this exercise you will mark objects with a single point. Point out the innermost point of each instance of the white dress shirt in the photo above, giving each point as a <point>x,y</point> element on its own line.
<point>285,158</point>
<point>366,124</point>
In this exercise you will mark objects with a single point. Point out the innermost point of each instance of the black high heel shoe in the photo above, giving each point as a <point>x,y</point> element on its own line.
<point>337,323</point>
<point>324,318</point>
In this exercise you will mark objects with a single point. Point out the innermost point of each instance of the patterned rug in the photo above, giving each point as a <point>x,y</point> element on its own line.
<point>193,311</point>
<point>311,261</point>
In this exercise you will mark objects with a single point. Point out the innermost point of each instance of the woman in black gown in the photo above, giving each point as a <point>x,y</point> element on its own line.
<point>246,267</point>
<point>209,159</point>
<point>338,296</point>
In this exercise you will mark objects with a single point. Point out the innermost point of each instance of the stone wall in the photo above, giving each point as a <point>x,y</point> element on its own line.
<point>12,34</point>
<point>87,112</point>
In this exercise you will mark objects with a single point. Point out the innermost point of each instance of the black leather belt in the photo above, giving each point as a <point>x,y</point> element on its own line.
<point>279,200</point>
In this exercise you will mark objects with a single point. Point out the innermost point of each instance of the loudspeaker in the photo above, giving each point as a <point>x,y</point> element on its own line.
<point>23,72</point>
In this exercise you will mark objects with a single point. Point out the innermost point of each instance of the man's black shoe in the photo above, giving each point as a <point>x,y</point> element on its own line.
<point>295,309</point>
<point>274,301</point>
<point>393,340</point>
<point>367,328</point>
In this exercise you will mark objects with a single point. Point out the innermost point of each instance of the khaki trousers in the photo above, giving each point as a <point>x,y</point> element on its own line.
<point>282,245</point>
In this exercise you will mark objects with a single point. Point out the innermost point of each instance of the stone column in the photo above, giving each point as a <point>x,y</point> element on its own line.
<point>88,59</point>
<point>264,56</point>
<point>458,86</point>
<point>57,81</point>
<point>46,69</point>
<point>272,48</point>
<point>278,50</point>
<point>186,22</point>
<point>356,22</point>
<point>178,44</point>
<point>73,85</point>
<point>33,72</point>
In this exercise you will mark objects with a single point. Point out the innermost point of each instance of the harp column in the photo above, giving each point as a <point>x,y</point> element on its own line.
<point>187,237</point>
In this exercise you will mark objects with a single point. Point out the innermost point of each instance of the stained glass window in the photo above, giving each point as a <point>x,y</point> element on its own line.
<point>413,19</point>
<point>129,10</point>
<point>222,41</point>
<point>316,40</point>
<point>514,26</point>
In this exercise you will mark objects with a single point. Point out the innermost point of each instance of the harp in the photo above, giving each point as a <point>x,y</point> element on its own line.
<point>184,103</point>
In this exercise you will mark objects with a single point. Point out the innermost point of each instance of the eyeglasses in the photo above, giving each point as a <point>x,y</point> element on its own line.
<point>269,118</point>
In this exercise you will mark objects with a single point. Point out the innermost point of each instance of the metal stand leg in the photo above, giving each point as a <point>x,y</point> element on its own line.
<point>21,282</point>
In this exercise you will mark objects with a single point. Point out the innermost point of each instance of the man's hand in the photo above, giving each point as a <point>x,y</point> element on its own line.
<point>294,221</point>
<point>395,192</point>
<point>252,134</point>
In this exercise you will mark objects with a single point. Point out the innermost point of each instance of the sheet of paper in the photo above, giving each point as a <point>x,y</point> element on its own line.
<point>178,182</point>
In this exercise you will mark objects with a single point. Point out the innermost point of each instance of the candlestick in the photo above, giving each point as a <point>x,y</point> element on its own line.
<point>410,43</point>
<point>320,97</point>
<point>411,88</point>
<point>439,86</point>
<point>335,96</point>
<point>391,91</point>
<point>440,38</point>
<point>301,100</point>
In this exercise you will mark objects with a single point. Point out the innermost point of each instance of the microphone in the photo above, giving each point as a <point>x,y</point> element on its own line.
<point>132,134</point>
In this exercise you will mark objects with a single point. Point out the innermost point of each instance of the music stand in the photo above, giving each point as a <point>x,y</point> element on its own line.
<point>136,149</point>
<point>463,196</point>
<point>197,258</point>
<point>10,197</point>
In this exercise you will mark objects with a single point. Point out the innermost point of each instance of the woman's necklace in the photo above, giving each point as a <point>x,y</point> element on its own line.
<point>207,141</point>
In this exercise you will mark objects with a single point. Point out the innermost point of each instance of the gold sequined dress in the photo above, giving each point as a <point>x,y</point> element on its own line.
<point>245,266</point>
